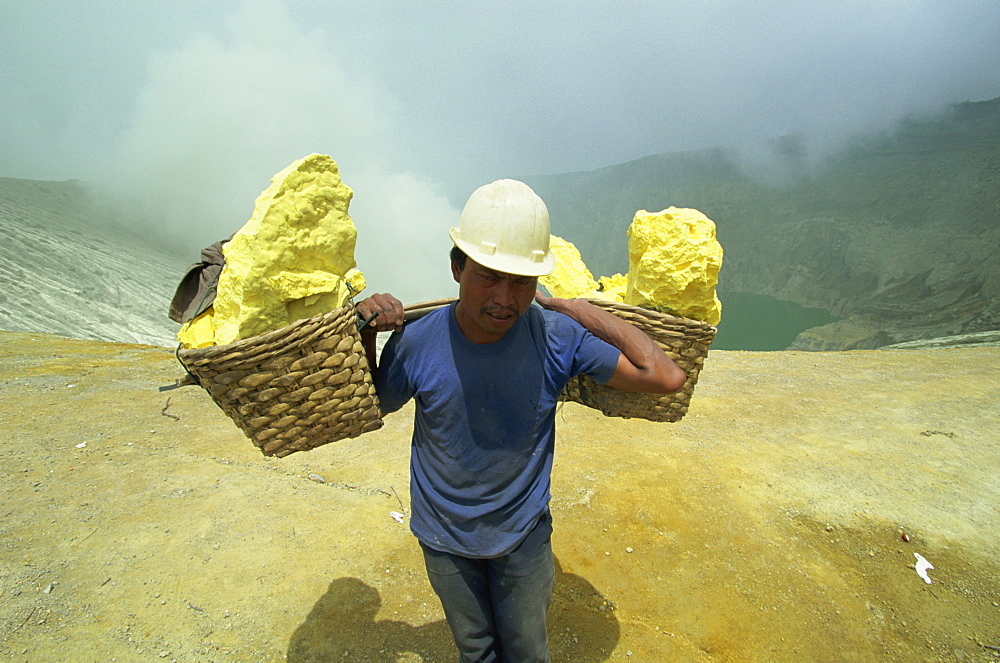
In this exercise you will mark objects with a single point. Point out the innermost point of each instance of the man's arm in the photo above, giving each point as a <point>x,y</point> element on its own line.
<point>389,312</point>
<point>643,366</point>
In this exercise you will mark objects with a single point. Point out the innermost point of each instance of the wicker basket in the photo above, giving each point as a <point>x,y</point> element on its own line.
<point>293,389</point>
<point>686,341</point>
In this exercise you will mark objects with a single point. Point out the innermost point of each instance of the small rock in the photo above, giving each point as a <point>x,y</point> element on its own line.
<point>629,549</point>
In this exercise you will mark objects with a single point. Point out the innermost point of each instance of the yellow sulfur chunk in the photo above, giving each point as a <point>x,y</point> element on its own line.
<point>293,258</point>
<point>307,307</point>
<point>674,261</point>
<point>570,278</point>
<point>613,287</point>
<point>199,333</point>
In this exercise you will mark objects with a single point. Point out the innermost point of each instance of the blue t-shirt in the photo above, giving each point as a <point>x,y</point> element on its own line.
<point>484,429</point>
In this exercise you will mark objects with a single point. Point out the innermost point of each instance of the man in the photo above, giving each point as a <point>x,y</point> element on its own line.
<point>485,373</point>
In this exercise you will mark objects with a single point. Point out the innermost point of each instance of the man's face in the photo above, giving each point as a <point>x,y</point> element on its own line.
<point>490,301</point>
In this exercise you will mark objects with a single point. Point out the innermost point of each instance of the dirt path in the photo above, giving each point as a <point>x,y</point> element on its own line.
<point>766,526</point>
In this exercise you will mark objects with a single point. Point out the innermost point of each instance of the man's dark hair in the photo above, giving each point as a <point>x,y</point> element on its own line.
<point>458,257</point>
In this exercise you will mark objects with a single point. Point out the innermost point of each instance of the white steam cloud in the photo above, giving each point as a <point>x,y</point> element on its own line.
<point>221,114</point>
<point>190,107</point>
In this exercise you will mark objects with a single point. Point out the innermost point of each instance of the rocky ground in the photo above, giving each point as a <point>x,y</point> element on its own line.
<point>777,522</point>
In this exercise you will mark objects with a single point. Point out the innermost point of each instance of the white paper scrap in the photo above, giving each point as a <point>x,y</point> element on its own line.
<point>397,516</point>
<point>922,566</point>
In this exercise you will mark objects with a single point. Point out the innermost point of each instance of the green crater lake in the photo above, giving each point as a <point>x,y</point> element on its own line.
<point>759,322</point>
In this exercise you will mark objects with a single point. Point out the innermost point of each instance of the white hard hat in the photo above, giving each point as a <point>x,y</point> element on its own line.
<point>505,226</point>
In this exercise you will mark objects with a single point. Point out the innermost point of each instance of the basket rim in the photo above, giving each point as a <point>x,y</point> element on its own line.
<point>266,337</point>
<point>420,308</point>
<point>650,313</point>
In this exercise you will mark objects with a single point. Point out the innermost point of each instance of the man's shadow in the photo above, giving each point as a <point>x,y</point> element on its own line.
<point>342,627</point>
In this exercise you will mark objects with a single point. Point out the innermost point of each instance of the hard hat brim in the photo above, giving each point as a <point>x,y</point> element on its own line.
<point>503,262</point>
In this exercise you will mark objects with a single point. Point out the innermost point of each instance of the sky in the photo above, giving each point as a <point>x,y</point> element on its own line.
<point>188,107</point>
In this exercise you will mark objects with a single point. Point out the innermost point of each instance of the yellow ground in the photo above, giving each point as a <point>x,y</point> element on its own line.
<point>765,526</point>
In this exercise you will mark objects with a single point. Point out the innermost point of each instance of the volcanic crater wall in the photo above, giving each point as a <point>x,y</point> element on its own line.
<point>897,234</point>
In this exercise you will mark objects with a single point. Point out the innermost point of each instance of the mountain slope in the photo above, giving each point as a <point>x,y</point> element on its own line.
<point>896,234</point>
<point>65,271</point>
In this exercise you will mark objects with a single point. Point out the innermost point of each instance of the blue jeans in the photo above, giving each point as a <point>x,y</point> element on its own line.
<point>496,607</point>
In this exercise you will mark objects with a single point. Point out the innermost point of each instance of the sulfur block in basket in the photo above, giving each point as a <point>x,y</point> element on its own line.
<point>570,278</point>
<point>668,293</point>
<point>674,262</point>
<point>299,243</point>
<point>293,259</point>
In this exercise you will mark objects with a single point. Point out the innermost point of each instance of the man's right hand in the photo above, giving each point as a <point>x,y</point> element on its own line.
<point>389,310</point>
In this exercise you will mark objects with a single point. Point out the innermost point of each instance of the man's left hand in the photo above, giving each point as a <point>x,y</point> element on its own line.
<point>388,309</point>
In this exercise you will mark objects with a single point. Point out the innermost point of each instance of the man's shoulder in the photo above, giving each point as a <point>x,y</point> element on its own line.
<point>436,316</point>
<point>555,323</point>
